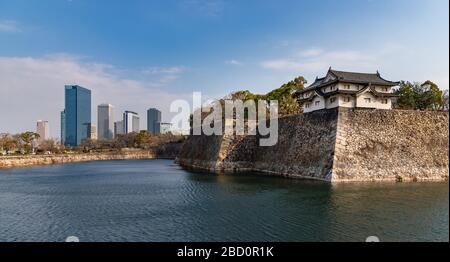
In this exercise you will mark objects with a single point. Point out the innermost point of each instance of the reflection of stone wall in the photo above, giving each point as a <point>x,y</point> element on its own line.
<point>335,145</point>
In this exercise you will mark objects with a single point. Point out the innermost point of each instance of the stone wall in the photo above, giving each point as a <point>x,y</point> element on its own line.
<point>391,145</point>
<point>305,146</point>
<point>32,160</point>
<point>304,149</point>
<point>335,145</point>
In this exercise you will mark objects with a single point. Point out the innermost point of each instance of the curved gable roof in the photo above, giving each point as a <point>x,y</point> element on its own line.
<point>355,77</point>
<point>348,77</point>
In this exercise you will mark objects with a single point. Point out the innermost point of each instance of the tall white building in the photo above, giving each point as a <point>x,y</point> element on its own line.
<point>42,129</point>
<point>130,122</point>
<point>105,121</point>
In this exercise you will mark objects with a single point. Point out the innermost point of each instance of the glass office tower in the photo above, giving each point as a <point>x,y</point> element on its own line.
<point>153,121</point>
<point>105,121</point>
<point>77,114</point>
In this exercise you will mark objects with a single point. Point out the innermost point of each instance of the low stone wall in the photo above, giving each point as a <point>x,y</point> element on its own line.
<point>32,160</point>
<point>335,145</point>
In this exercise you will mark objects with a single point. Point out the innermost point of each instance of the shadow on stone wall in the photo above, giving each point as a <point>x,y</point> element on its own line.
<point>335,145</point>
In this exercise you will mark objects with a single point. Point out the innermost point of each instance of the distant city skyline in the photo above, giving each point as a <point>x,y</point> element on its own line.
<point>106,127</point>
<point>161,51</point>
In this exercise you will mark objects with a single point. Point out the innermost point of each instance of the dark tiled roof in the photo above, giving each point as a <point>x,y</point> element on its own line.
<point>318,82</point>
<point>349,77</point>
<point>361,78</point>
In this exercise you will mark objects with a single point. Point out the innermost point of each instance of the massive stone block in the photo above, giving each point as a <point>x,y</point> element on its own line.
<point>335,145</point>
<point>391,145</point>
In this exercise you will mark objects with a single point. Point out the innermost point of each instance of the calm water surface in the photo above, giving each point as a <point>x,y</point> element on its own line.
<point>158,201</point>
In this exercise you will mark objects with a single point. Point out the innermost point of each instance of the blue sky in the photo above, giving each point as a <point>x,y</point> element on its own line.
<point>140,54</point>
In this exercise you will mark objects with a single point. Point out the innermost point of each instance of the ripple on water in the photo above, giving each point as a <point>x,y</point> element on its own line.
<point>156,200</point>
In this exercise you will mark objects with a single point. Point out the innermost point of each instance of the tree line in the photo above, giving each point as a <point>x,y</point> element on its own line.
<point>26,143</point>
<point>29,143</point>
<point>410,95</point>
<point>426,96</point>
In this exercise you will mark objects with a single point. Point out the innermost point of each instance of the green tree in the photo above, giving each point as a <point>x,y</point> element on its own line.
<point>420,96</point>
<point>407,97</point>
<point>28,138</point>
<point>142,139</point>
<point>287,103</point>
<point>432,96</point>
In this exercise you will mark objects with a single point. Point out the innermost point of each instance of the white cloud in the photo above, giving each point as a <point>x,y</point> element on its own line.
<point>33,88</point>
<point>233,62</point>
<point>312,60</point>
<point>9,26</point>
<point>394,61</point>
<point>163,70</point>
<point>311,52</point>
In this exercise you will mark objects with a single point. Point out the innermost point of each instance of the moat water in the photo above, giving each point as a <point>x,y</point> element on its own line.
<point>156,200</point>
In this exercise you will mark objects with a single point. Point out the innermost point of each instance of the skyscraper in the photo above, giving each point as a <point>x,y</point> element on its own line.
<point>153,121</point>
<point>77,114</point>
<point>118,128</point>
<point>42,130</point>
<point>105,121</point>
<point>63,126</point>
<point>130,122</point>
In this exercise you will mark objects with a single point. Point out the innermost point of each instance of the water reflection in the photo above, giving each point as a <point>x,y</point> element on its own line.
<point>158,201</point>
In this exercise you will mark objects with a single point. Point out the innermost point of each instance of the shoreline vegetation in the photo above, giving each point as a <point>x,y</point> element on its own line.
<point>36,160</point>
<point>20,152</point>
